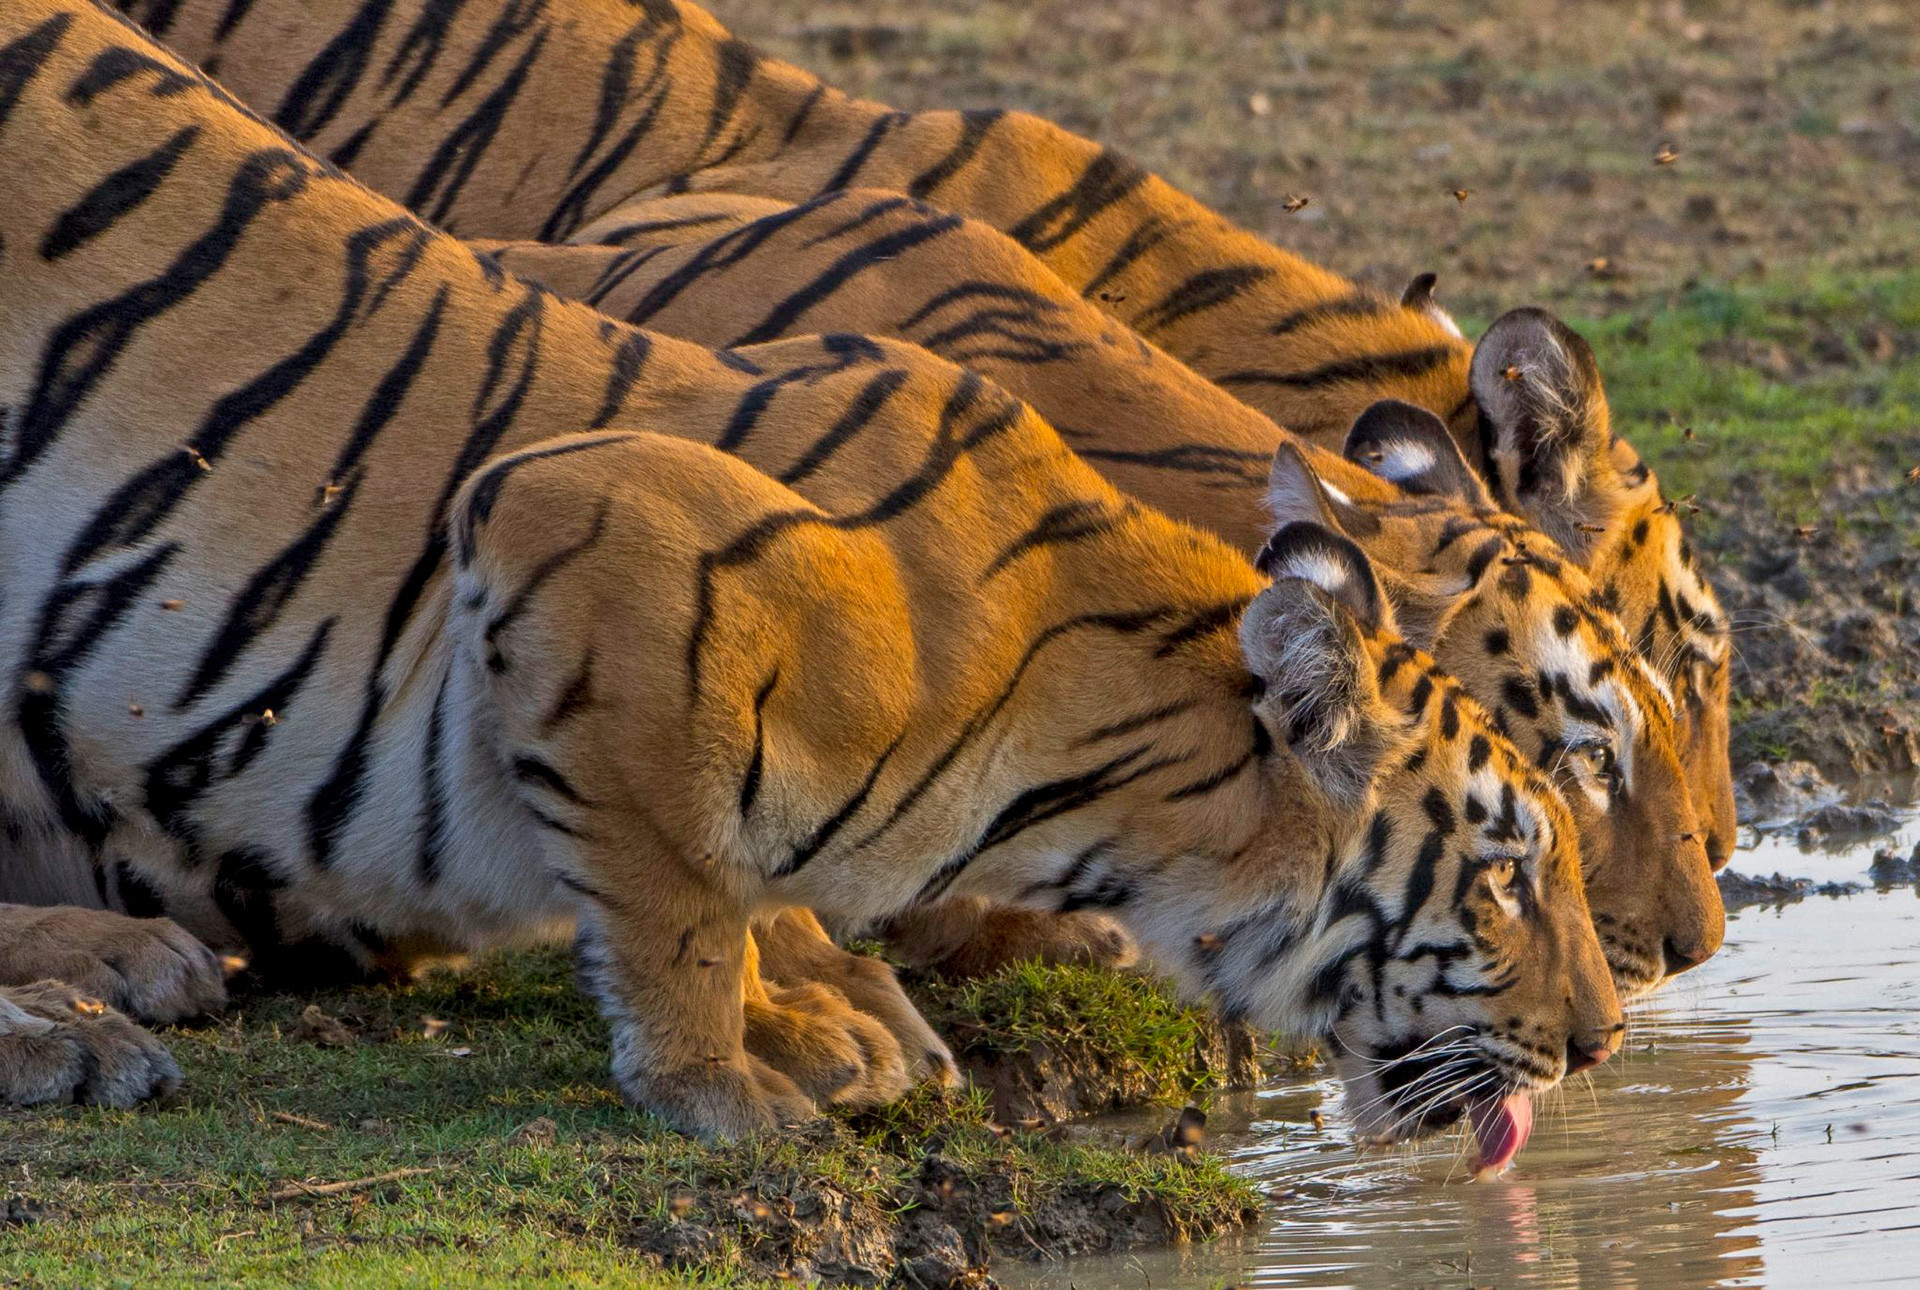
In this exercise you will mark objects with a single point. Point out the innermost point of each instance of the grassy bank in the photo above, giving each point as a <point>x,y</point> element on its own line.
<point>483,1101</point>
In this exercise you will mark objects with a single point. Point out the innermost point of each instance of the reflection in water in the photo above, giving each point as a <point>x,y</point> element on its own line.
<point>1761,1127</point>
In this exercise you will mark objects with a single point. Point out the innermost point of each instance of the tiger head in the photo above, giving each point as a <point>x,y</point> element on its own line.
<point>1386,871</point>
<point>1544,432</point>
<point>1504,611</point>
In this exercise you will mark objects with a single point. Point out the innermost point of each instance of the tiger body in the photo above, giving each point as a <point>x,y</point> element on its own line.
<point>354,586</point>
<point>728,270</point>
<point>455,111</point>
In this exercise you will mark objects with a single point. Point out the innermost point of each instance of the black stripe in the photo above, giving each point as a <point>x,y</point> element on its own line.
<point>118,63</point>
<point>1201,787</point>
<point>1068,522</point>
<point>513,18</point>
<point>180,776</point>
<point>1039,804</point>
<point>618,269</point>
<point>981,289</point>
<point>114,197</point>
<point>576,698</point>
<point>639,228</point>
<point>1125,624</point>
<point>974,128</point>
<point>1143,239</point>
<point>831,827</point>
<point>629,360</point>
<point>843,352</point>
<point>422,44</point>
<point>1201,623</point>
<point>325,84</point>
<point>576,204</point>
<point>750,782</point>
<point>616,83</point>
<point>22,59</point>
<point>1127,725</point>
<point>734,64</point>
<point>452,164</point>
<point>1208,289</point>
<point>433,822</point>
<point>881,250</point>
<point>1357,304</point>
<point>843,177</point>
<point>873,210</point>
<point>721,253</point>
<point>486,489</point>
<point>1369,367</point>
<point>799,119</point>
<point>550,565</point>
<point>1107,179</point>
<point>865,407</point>
<point>237,11</point>
<point>1192,458</point>
<point>529,769</point>
<point>1420,881</point>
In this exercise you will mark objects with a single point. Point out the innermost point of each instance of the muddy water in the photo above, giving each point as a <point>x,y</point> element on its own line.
<point>1761,1127</point>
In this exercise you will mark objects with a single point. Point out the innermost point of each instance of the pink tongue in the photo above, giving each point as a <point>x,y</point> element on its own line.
<point>1501,1128</point>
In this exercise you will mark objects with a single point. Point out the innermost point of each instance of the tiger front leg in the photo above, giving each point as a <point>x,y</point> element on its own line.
<point>671,980</point>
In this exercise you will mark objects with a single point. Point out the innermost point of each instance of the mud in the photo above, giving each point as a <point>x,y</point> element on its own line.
<point>1826,624</point>
<point>958,1213</point>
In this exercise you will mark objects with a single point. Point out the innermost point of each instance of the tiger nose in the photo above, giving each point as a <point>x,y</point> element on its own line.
<point>1681,957</point>
<point>1588,1049</point>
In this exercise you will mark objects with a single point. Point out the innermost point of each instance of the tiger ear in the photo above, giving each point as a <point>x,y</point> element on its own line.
<point>1305,638</point>
<point>1297,493</point>
<point>1544,427</point>
<point>1419,295</point>
<point>1411,447</point>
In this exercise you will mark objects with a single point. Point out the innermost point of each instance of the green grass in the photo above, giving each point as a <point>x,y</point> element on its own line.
<point>184,1193</point>
<point>1849,391</point>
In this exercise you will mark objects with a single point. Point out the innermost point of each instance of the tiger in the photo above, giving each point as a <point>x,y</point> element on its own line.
<point>527,120</point>
<point>358,586</point>
<point>1564,682</point>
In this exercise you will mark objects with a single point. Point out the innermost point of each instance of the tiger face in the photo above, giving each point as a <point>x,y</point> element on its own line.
<point>1430,925</point>
<point>1646,575</point>
<point>1519,625</point>
<point>1544,430</point>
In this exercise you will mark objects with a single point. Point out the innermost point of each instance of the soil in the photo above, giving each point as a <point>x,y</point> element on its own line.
<point>941,1229</point>
<point>1826,625</point>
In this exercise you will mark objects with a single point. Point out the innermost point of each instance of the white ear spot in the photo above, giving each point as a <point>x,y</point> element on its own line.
<point>1404,459</point>
<point>1446,321</point>
<point>1322,569</point>
<point>1335,493</point>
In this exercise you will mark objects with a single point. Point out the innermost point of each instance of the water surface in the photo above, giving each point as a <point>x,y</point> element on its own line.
<point>1761,1126</point>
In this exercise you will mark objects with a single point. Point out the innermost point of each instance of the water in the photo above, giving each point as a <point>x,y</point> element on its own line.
<point>1761,1126</point>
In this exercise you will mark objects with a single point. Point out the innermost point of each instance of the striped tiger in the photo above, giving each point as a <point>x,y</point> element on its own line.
<point>357,587</point>
<point>1531,641</point>
<point>529,120</point>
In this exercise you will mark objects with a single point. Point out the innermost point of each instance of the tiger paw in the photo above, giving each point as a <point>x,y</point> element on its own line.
<point>832,1052</point>
<point>795,951</point>
<point>59,1045</point>
<point>721,1102</point>
<point>150,968</point>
